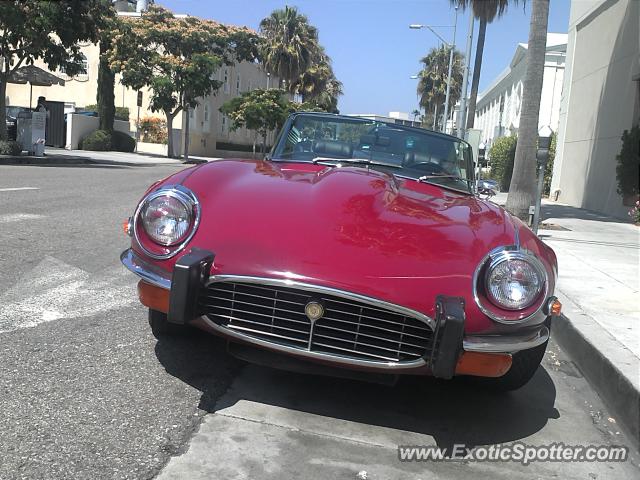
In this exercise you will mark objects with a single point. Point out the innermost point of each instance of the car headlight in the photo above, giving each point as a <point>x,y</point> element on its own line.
<point>166,220</point>
<point>513,281</point>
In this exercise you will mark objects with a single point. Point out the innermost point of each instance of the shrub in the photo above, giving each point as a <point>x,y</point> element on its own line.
<point>122,113</point>
<point>153,130</point>
<point>502,155</point>
<point>10,147</point>
<point>628,168</point>
<point>121,142</point>
<point>97,141</point>
<point>548,172</point>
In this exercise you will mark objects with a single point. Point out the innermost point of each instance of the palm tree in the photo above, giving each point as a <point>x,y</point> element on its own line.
<point>523,182</point>
<point>416,114</point>
<point>432,84</point>
<point>485,11</point>
<point>290,45</point>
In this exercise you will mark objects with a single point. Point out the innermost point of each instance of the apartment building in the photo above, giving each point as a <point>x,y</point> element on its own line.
<point>209,129</point>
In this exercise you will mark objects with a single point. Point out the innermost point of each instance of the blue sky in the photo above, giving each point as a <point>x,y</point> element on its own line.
<point>374,53</point>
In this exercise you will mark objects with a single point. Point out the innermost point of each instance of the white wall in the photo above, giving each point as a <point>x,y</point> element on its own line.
<point>600,100</point>
<point>507,89</point>
<point>79,126</point>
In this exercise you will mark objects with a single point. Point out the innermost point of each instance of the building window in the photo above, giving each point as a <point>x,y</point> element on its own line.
<point>238,84</point>
<point>226,80</point>
<point>206,113</point>
<point>223,122</point>
<point>192,113</point>
<point>80,77</point>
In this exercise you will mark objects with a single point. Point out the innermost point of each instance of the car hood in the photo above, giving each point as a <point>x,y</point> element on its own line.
<point>350,228</point>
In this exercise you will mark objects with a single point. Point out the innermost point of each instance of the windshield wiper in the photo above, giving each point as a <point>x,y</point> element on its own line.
<point>429,179</point>
<point>356,161</point>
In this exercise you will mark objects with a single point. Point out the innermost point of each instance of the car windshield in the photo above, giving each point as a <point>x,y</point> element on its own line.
<point>404,151</point>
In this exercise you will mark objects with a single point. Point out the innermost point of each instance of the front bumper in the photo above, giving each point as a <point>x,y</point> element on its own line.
<point>192,272</point>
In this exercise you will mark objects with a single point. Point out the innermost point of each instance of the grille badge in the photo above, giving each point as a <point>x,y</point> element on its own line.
<point>314,310</point>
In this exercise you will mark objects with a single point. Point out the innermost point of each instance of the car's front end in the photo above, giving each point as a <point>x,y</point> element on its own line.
<point>345,262</point>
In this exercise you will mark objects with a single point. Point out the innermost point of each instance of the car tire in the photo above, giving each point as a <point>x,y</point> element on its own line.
<point>160,326</point>
<point>524,365</point>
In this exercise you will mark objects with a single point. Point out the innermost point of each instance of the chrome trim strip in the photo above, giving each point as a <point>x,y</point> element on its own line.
<point>146,271</point>
<point>505,343</point>
<point>334,358</point>
<point>515,251</point>
<point>188,198</point>
<point>276,282</point>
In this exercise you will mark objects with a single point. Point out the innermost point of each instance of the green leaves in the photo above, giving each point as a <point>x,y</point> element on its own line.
<point>432,85</point>
<point>178,57</point>
<point>259,110</point>
<point>291,50</point>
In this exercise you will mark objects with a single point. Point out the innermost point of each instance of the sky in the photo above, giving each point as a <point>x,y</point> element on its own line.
<point>373,50</point>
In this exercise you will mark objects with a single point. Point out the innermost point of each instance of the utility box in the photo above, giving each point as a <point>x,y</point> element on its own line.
<point>32,131</point>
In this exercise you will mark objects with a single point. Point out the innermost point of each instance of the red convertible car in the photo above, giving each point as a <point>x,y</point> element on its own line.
<point>354,245</point>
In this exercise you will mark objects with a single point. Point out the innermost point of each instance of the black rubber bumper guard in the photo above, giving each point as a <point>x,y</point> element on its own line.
<point>193,269</point>
<point>448,336</point>
<point>189,277</point>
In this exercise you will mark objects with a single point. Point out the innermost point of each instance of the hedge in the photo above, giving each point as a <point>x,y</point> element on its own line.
<point>501,154</point>
<point>10,147</point>
<point>103,141</point>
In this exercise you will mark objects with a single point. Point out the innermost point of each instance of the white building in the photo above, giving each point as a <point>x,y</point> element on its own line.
<point>498,107</point>
<point>601,99</point>
<point>402,118</point>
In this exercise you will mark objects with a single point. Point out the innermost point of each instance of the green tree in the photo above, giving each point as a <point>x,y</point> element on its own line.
<point>176,58</point>
<point>259,110</point>
<point>106,76</point>
<point>523,183</point>
<point>502,154</point>
<point>290,45</point>
<point>485,11</point>
<point>432,84</point>
<point>37,29</point>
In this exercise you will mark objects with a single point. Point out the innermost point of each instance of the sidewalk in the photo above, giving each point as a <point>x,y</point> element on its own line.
<point>62,157</point>
<point>599,286</point>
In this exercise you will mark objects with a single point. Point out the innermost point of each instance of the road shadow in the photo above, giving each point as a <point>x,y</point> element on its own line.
<point>565,211</point>
<point>452,412</point>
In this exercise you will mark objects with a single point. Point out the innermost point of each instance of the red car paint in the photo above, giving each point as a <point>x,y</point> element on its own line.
<point>349,228</point>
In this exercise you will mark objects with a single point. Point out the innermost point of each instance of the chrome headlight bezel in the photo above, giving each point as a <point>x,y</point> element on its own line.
<point>501,313</point>
<point>159,250</point>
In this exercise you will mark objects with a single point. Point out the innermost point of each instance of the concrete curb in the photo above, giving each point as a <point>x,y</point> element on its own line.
<point>76,160</point>
<point>611,377</point>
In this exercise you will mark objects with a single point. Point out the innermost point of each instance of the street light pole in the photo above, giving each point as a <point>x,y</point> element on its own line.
<point>462,114</point>
<point>452,46</point>
<point>451,49</point>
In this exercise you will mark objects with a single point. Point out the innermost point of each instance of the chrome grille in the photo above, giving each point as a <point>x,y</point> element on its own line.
<point>349,328</point>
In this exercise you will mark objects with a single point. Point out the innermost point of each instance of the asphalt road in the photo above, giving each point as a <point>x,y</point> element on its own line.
<point>87,392</point>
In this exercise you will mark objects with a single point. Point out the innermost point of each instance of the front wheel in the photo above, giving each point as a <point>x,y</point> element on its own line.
<point>160,326</point>
<point>523,367</point>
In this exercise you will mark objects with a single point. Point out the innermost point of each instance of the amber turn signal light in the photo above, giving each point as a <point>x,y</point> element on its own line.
<point>483,364</point>
<point>153,297</point>
<point>127,226</point>
<point>553,307</point>
<point>556,308</point>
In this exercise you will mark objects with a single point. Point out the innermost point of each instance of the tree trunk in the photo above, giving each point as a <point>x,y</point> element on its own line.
<point>477,66</point>
<point>186,135</point>
<point>523,183</point>
<point>169,134</point>
<point>106,86</point>
<point>264,143</point>
<point>255,140</point>
<point>3,109</point>
<point>435,117</point>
